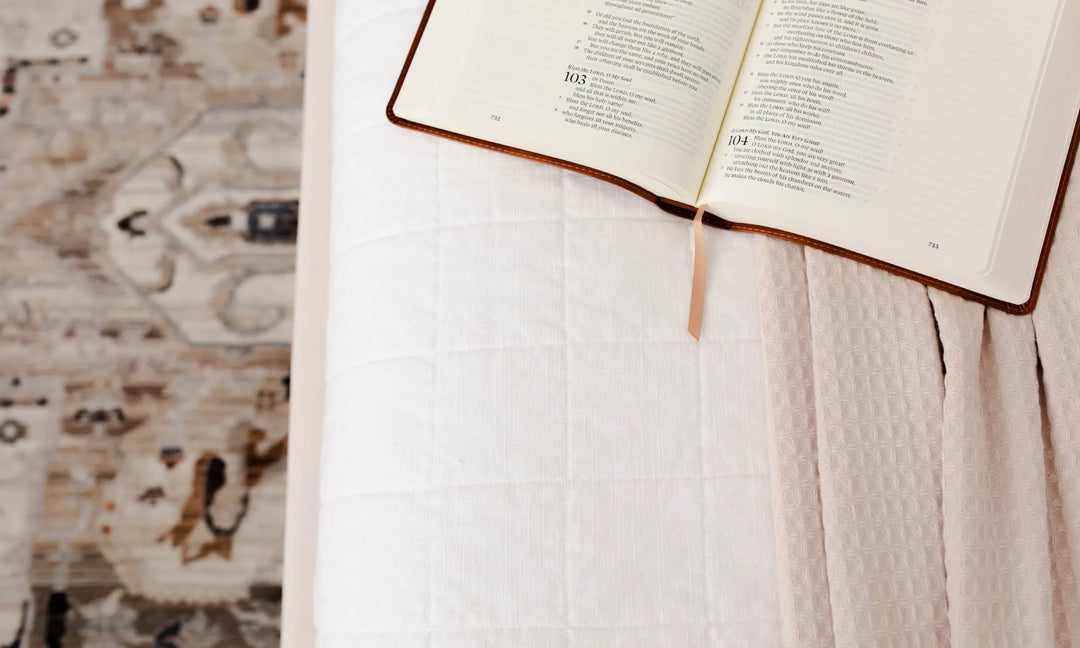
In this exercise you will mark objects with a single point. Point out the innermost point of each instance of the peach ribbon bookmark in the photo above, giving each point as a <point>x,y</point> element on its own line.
<point>697,294</point>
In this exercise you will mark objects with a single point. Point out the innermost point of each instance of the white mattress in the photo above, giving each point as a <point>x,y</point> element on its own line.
<point>523,446</point>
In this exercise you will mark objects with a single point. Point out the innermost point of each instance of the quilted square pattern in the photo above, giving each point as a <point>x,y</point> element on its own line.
<point>520,302</point>
<point>726,422</point>
<point>384,318</point>
<point>653,571</point>
<point>738,550</point>
<point>498,557</point>
<point>523,446</point>
<point>663,636</point>
<point>517,191</point>
<point>620,270</point>
<point>397,449</point>
<point>489,408</point>
<point>649,428</point>
<point>416,156</point>
<point>493,638</point>
<point>364,542</point>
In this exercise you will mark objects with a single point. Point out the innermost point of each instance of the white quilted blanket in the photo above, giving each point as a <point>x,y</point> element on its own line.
<point>523,445</point>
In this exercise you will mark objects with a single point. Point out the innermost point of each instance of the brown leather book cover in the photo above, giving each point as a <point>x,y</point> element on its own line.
<point>686,211</point>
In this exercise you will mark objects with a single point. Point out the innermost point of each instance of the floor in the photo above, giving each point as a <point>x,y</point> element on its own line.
<point>149,176</point>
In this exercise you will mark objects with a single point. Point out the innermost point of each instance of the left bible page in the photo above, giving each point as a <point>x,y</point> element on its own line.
<point>634,88</point>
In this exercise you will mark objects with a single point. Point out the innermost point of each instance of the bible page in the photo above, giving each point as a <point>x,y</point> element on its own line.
<point>634,88</point>
<point>897,129</point>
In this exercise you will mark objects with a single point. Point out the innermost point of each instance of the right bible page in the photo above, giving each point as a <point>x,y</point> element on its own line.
<point>895,128</point>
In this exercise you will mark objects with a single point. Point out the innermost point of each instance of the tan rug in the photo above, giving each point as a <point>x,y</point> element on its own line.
<point>149,171</point>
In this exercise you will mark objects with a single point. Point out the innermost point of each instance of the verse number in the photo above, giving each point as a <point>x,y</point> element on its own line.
<point>933,246</point>
<point>575,78</point>
<point>738,140</point>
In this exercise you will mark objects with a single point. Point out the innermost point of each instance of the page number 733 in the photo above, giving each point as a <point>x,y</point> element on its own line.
<point>933,246</point>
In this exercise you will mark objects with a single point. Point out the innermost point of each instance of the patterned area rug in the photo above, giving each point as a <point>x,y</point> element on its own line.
<point>149,173</point>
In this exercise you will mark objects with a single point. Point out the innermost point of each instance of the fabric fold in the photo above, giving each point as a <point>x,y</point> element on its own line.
<point>785,315</point>
<point>878,386</point>
<point>993,480</point>
<point>943,443</point>
<point>1057,333</point>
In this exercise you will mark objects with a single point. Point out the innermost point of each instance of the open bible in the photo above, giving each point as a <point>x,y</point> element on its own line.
<point>930,138</point>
